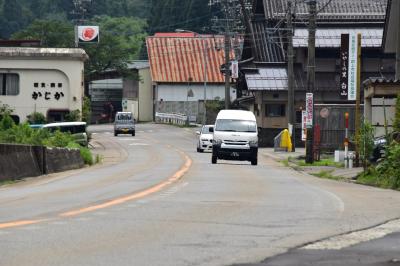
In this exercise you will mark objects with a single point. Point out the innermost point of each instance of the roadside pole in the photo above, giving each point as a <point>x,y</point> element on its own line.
<point>358,101</point>
<point>346,141</point>
<point>311,77</point>
<point>227,76</point>
<point>205,80</point>
<point>291,96</point>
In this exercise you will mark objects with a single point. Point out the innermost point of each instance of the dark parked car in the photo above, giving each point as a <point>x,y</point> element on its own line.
<point>380,145</point>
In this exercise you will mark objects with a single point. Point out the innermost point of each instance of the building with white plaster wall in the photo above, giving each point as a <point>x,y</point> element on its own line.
<point>45,80</point>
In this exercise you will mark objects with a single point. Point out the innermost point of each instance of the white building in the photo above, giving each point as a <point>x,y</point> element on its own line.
<point>45,80</point>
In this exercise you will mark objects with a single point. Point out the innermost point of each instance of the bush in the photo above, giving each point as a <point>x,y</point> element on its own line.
<point>86,156</point>
<point>62,140</point>
<point>24,134</point>
<point>36,118</point>
<point>389,168</point>
<point>86,110</point>
<point>73,116</point>
<point>365,140</point>
<point>6,122</point>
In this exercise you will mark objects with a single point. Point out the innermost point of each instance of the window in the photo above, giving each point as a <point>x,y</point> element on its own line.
<point>9,84</point>
<point>232,125</point>
<point>275,110</point>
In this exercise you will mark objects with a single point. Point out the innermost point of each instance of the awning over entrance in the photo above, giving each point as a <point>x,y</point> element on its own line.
<point>272,78</point>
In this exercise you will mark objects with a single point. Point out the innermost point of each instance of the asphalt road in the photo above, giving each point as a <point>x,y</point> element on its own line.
<point>156,201</point>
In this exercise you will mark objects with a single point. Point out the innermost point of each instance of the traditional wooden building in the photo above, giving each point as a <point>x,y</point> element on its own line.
<point>264,60</point>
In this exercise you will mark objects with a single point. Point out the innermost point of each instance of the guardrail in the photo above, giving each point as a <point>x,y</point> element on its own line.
<point>171,118</point>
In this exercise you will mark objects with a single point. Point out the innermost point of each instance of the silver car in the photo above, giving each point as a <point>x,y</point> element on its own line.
<point>124,123</point>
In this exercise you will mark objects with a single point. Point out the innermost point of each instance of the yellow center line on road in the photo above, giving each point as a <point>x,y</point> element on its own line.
<point>156,188</point>
<point>20,223</point>
<point>178,175</point>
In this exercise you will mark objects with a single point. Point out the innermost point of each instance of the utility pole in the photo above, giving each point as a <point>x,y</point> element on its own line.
<point>311,76</point>
<point>397,76</point>
<point>227,47</point>
<point>290,54</point>
<point>358,101</point>
<point>205,46</point>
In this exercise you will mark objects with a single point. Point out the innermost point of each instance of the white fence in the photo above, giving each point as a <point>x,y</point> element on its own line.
<point>171,118</point>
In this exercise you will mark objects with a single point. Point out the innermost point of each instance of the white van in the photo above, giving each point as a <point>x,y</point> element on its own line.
<point>235,136</point>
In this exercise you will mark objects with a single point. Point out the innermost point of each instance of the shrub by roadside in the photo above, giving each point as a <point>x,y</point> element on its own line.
<point>24,134</point>
<point>386,173</point>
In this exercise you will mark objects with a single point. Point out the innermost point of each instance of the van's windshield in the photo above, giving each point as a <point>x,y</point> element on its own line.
<point>235,125</point>
<point>123,118</point>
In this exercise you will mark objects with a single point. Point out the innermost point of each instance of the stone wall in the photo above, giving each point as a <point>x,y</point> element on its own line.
<point>18,161</point>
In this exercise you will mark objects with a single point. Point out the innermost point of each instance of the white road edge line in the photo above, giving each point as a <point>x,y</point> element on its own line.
<point>354,238</point>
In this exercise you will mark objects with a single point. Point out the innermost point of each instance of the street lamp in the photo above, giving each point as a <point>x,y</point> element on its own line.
<point>205,57</point>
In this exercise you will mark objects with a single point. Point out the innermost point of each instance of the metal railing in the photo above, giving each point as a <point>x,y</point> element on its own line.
<point>171,118</point>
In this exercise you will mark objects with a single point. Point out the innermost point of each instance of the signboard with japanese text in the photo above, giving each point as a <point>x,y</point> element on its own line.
<point>235,69</point>
<point>344,66</point>
<point>304,125</point>
<point>353,66</point>
<point>309,109</point>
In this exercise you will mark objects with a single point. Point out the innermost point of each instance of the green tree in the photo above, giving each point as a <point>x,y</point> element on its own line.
<point>168,15</point>
<point>51,33</point>
<point>120,42</point>
<point>11,17</point>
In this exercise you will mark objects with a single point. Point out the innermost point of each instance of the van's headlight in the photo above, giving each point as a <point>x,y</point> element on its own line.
<point>253,143</point>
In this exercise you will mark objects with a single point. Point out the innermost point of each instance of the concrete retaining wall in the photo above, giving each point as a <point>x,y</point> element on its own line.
<point>18,161</point>
<point>58,160</point>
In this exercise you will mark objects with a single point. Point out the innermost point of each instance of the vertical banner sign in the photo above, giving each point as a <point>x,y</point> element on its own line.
<point>235,69</point>
<point>344,66</point>
<point>309,109</point>
<point>303,125</point>
<point>353,66</point>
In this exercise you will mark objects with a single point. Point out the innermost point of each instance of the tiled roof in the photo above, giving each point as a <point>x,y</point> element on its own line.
<point>370,37</point>
<point>268,46</point>
<point>336,10</point>
<point>274,78</point>
<point>180,59</point>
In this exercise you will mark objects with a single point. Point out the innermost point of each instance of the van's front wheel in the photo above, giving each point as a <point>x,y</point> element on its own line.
<point>213,159</point>
<point>254,161</point>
